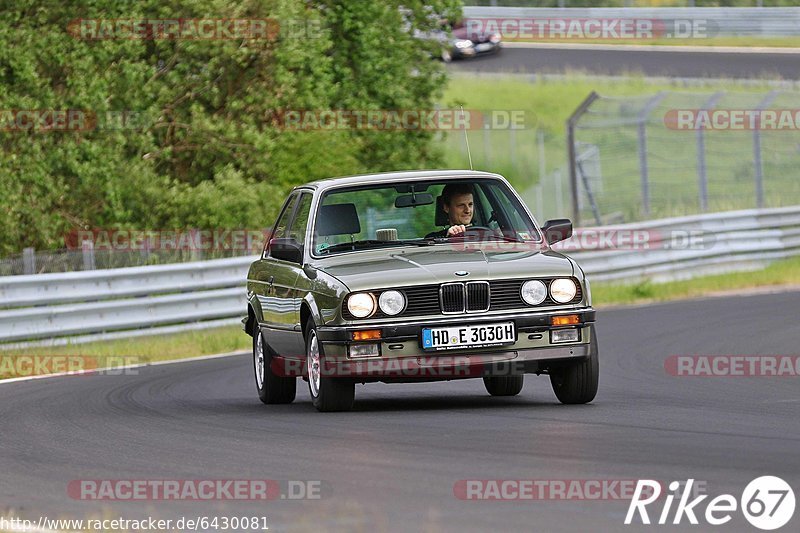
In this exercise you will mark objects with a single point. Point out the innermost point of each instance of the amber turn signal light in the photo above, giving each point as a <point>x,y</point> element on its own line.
<point>367,335</point>
<point>564,320</point>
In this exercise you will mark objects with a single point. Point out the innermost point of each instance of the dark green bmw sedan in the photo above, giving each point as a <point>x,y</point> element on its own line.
<point>416,276</point>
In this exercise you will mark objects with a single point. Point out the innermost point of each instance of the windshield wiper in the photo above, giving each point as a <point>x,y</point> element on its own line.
<point>372,242</point>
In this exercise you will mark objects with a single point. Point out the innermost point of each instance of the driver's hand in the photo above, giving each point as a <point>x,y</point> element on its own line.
<point>456,230</point>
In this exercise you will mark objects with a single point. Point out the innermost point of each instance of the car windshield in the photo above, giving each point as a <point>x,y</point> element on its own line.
<point>419,214</point>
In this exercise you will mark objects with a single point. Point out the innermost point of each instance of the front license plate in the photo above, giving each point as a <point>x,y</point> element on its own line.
<point>477,336</point>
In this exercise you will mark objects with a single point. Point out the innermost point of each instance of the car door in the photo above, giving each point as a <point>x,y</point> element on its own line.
<point>302,284</point>
<point>274,280</point>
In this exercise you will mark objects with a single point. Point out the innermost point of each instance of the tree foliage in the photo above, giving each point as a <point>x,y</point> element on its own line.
<point>183,135</point>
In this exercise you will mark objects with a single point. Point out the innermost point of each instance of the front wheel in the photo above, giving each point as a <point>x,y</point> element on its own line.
<point>327,393</point>
<point>272,389</point>
<point>577,383</point>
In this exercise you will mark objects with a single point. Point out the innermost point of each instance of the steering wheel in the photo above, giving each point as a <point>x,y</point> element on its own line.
<point>477,229</point>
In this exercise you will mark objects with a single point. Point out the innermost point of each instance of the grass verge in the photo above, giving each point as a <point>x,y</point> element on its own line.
<point>780,273</point>
<point>121,352</point>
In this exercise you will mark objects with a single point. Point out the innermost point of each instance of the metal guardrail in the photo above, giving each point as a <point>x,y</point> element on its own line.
<point>721,21</point>
<point>723,242</point>
<point>47,306</point>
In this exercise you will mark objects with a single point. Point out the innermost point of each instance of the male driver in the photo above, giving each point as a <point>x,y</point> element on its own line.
<point>457,202</point>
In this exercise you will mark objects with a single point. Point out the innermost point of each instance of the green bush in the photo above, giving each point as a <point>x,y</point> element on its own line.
<point>202,150</point>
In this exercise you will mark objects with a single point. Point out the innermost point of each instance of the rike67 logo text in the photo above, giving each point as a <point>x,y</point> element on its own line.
<point>767,503</point>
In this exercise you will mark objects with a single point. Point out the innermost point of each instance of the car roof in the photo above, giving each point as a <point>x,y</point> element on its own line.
<point>391,177</point>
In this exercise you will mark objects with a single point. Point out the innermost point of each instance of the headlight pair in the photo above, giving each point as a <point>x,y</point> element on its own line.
<point>562,290</point>
<point>364,304</point>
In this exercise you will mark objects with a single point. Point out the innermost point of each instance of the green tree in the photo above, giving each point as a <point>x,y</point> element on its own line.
<point>183,134</point>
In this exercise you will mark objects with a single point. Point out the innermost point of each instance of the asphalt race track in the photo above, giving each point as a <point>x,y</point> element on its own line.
<point>391,464</point>
<point>624,62</point>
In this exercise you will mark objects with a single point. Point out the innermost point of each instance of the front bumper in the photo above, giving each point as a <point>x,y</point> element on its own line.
<point>401,353</point>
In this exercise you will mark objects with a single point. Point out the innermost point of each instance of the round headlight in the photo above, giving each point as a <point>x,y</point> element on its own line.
<point>563,290</point>
<point>534,292</point>
<point>361,304</point>
<point>392,302</point>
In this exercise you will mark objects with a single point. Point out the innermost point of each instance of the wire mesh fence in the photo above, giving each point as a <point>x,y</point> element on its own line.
<point>68,260</point>
<point>680,153</point>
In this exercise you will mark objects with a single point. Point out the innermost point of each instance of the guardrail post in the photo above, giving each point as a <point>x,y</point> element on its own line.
<point>29,261</point>
<point>757,163</point>
<point>87,249</point>
<point>571,153</point>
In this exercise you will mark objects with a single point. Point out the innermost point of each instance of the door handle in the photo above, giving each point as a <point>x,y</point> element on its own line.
<point>269,281</point>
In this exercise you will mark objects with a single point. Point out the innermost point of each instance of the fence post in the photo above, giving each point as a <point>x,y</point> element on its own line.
<point>28,261</point>
<point>571,154</point>
<point>196,253</point>
<point>644,169</point>
<point>487,149</point>
<point>757,163</point>
<point>87,249</point>
<point>559,192</point>
<point>702,178</point>
<point>539,203</point>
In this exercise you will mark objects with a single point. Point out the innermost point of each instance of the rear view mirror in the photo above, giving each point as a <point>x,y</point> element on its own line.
<point>557,230</point>
<point>413,200</point>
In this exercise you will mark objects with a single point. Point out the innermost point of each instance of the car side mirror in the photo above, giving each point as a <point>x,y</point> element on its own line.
<point>557,230</point>
<point>286,250</point>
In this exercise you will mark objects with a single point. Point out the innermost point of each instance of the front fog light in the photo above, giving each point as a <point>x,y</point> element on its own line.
<point>358,351</point>
<point>564,335</point>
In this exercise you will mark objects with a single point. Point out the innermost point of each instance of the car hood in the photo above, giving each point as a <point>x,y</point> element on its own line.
<point>403,267</point>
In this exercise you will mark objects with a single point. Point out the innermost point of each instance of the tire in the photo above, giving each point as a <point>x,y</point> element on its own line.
<point>328,394</point>
<point>272,389</point>
<point>577,383</point>
<point>504,385</point>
